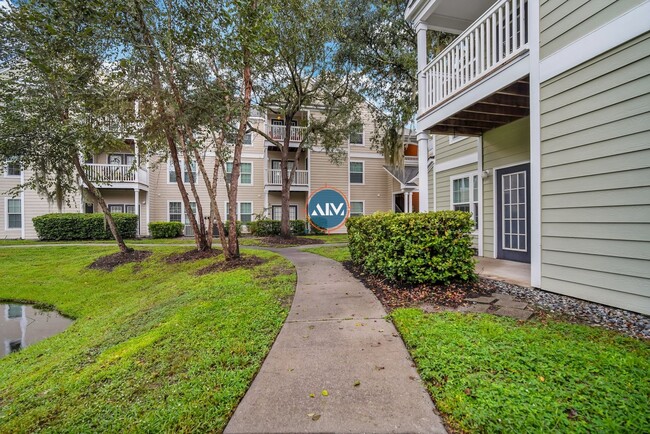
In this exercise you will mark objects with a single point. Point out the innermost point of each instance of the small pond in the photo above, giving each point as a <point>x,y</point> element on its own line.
<point>22,325</point>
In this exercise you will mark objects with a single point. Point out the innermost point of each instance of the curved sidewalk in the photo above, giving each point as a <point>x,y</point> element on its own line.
<point>335,339</point>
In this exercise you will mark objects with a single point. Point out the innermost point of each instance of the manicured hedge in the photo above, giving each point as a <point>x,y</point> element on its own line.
<point>166,229</point>
<point>226,228</point>
<point>265,228</point>
<point>433,247</point>
<point>75,226</point>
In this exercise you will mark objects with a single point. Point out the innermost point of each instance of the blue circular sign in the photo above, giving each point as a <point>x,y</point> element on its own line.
<point>327,209</point>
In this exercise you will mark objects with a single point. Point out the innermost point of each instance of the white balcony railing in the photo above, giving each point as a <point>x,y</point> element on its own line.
<point>109,173</point>
<point>499,35</point>
<point>274,177</point>
<point>278,132</point>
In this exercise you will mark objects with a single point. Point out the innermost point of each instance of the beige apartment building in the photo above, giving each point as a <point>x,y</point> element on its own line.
<point>130,182</point>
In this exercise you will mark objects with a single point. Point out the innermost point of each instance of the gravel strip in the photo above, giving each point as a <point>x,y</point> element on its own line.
<point>629,323</point>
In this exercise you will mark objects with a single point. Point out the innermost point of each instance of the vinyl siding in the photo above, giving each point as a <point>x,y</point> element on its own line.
<point>324,173</point>
<point>446,151</point>
<point>298,198</point>
<point>374,193</point>
<point>504,146</point>
<point>564,22</point>
<point>596,179</point>
<point>443,187</point>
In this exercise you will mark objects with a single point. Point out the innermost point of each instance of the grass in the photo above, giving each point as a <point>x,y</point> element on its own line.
<point>154,348</point>
<point>491,374</point>
<point>340,254</point>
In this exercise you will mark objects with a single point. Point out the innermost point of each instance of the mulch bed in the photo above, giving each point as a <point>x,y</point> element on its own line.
<point>246,262</point>
<point>394,295</point>
<point>191,255</point>
<point>108,263</point>
<point>292,241</point>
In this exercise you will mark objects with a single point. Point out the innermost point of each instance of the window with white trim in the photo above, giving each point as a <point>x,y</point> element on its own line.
<point>14,214</point>
<point>464,195</point>
<point>356,136</point>
<point>276,212</point>
<point>244,211</point>
<point>248,139</point>
<point>356,172</point>
<point>356,209</point>
<point>245,173</point>
<point>12,168</point>
<point>186,174</point>
<point>115,208</point>
<point>175,212</point>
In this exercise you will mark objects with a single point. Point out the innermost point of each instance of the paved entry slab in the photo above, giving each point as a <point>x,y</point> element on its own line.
<point>335,339</point>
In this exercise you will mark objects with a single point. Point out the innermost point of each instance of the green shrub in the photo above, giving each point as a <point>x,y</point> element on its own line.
<point>433,247</point>
<point>76,226</point>
<point>166,229</point>
<point>267,227</point>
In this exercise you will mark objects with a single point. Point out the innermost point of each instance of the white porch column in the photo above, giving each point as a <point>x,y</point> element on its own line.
<point>535,148</point>
<point>148,215</point>
<point>137,209</point>
<point>423,169</point>
<point>421,30</point>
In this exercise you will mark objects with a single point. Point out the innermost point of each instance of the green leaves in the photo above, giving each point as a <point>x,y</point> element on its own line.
<point>435,247</point>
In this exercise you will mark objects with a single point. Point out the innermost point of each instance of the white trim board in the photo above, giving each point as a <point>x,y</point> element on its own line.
<point>457,162</point>
<point>621,29</point>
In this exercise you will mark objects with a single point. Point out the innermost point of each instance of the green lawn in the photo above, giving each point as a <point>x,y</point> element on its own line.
<point>154,348</point>
<point>492,374</point>
<point>339,254</point>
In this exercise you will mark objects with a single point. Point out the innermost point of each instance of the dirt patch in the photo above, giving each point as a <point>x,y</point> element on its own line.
<point>191,255</point>
<point>394,295</point>
<point>292,241</point>
<point>108,263</point>
<point>246,262</point>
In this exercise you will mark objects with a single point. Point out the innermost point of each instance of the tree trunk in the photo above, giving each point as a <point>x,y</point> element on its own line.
<point>102,204</point>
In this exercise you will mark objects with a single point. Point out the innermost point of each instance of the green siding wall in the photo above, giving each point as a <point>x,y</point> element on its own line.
<point>596,179</point>
<point>563,22</point>
<point>504,146</point>
<point>446,151</point>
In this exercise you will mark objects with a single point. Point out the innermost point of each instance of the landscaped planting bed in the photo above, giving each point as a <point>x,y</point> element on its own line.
<point>155,346</point>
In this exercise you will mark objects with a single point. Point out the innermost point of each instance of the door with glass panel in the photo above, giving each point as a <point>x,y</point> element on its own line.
<point>513,213</point>
<point>276,174</point>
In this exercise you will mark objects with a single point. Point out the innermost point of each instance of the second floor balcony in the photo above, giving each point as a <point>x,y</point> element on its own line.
<point>274,180</point>
<point>279,132</point>
<point>491,49</point>
<point>117,175</point>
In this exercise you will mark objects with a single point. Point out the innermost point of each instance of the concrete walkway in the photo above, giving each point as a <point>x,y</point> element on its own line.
<point>335,339</point>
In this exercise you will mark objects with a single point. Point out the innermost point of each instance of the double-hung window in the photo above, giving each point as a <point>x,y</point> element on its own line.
<point>245,173</point>
<point>356,209</point>
<point>12,168</point>
<point>14,214</point>
<point>177,213</point>
<point>244,212</point>
<point>186,173</point>
<point>465,195</point>
<point>356,172</point>
<point>356,136</point>
<point>276,212</point>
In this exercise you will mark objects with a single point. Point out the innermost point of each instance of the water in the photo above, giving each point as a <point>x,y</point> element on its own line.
<point>22,325</point>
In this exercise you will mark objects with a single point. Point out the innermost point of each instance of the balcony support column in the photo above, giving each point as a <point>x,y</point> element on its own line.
<point>423,169</point>
<point>421,30</point>
<point>137,208</point>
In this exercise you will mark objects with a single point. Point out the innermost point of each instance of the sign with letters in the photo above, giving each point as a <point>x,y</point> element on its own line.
<point>327,209</point>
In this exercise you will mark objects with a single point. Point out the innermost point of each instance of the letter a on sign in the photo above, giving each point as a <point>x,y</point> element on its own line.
<point>327,209</point>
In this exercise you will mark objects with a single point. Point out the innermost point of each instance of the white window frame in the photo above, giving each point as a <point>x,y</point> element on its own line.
<point>363,206</point>
<point>472,199</point>
<point>363,139</point>
<point>170,168</point>
<point>252,172</point>
<point>22,213</point>
<point>238,213</point>
<point>455,139</point>
<point>109,205</point>
<point>123,156</point>
<point>169,214</point>
<point>275,205</point>
<point>6,171</point>
<point>251,144</point>
<point>363,172</point>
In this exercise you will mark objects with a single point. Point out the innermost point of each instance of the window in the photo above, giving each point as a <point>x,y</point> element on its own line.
<point>175,212</point>
<point>12,168</point>
<point>14,311</point>
<point>115,208</point>
<point>14,214</point>
<point>244,213</point>
<point>186,175</point>
<point>129,209</point>
<point>276,212</point>
<point>356,209</point>
<point>356,136</point>
<point>248,139</point>
<point>245,173</point>
<point>356,172</point>
<point>121,159</point>
<point>465,196</point>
